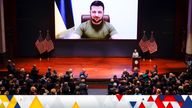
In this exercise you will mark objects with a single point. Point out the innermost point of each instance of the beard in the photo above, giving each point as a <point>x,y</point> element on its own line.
<point>97,21</point>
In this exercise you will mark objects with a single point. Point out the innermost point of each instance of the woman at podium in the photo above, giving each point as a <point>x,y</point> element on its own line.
<point>135,54</point>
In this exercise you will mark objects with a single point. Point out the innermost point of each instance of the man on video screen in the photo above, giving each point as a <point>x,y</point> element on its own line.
<point>96,27</point>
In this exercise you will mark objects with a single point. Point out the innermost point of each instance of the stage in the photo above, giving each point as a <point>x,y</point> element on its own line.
<point>97,68</point>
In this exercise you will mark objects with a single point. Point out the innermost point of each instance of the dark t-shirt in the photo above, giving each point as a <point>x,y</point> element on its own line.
<point>103,31</point>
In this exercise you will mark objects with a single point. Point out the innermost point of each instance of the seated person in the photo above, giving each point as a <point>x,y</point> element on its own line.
<point>96,27</point>
<point>135,54</point>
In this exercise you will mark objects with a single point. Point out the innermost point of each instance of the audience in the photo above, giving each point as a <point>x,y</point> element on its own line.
<point>151,83</point>
<point>19,82</point>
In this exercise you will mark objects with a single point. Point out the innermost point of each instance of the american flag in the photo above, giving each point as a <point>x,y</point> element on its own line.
<point>143,43</point>
<point>152,45</point>
<point>40,44</point>
<point>49,46</point>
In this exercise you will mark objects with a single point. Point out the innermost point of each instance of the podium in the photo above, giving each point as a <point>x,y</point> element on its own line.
<point>136,62</point>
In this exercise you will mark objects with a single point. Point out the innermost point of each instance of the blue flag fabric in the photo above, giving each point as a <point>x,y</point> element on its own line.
<point>66,11</point>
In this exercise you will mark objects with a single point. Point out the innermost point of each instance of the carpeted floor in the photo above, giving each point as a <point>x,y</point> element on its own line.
<point>97,92</point>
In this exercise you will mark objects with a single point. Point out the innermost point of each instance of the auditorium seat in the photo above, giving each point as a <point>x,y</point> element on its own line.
<point>88,17</point>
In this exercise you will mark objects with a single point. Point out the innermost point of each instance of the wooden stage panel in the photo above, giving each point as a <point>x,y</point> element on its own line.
<point>98,68</point>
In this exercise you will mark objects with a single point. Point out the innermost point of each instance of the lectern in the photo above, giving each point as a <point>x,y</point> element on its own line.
<point>136,62</point>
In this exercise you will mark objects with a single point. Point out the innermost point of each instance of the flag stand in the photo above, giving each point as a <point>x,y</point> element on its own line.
<point>40,57</point>
<point>143,59</point>
<point>150,57</point>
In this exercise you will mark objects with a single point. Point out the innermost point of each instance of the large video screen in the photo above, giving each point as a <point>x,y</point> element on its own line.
<point>123,16</point>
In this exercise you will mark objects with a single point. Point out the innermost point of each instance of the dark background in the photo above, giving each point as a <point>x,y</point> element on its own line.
<point>23,19</point>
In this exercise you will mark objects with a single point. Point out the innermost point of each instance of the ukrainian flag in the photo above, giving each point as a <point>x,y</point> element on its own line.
<point>64,23</point>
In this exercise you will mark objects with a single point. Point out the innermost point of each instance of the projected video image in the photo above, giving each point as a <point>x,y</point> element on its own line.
<point>74,19</point>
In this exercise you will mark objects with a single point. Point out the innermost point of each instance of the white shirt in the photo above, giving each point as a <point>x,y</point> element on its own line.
<point>135,54</point>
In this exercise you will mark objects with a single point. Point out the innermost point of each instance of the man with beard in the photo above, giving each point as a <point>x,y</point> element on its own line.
<point>96,27</point>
